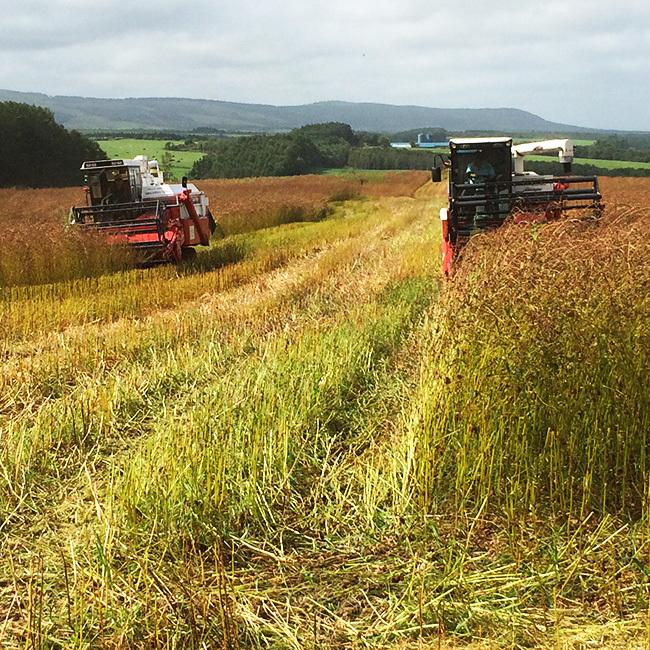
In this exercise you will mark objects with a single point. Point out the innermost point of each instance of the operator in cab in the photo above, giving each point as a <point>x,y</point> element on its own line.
<point>119,190</point>
<point>479,170</point>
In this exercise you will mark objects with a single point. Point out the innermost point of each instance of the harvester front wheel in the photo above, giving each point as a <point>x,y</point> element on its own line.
<point>215,227</point>
<point>188,255</point>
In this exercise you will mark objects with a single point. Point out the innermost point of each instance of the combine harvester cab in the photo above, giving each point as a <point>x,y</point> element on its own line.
<point>488,184</point>
<point>129,202</point>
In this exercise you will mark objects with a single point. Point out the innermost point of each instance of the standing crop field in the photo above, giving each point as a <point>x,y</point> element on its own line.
<point>309,440</point>
<point>622,192</point>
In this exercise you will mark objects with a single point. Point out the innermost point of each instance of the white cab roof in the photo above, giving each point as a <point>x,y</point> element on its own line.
<point>104,164</point>
<point>479,140</point>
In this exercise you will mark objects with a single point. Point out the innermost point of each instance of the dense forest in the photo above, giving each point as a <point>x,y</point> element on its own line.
<point>581,169</point>
<point>35,151</point>
<point>305,150</point>
<point>388,158</point>
<point>633,147</point>
<point>302,151</point>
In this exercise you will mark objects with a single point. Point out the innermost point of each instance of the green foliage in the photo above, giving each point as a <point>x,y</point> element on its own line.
<point>438,134</point>
<point>331,145</point>
<point>38,152</point>
<point>271,155</point>
<point>333,140</point>
<point>387,158</point>
<point>372,139</point>
<point>586,170</point>
<point>328,131</point>
<point>635,147</point>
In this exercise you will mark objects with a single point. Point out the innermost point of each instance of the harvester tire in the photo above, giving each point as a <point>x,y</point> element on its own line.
<point>188,255</point>
<point>215,226</point>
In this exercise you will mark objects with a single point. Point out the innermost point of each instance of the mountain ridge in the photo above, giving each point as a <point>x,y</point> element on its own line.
<point>179,113</point>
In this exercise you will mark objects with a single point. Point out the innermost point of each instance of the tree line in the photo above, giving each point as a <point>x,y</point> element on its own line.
<point>155,134</point>
<point>388,158</point>
<point>35,151</point>
<point>308,149</point>
<point>275,155</point>
<point>583,169</point>
<point>634,147</point>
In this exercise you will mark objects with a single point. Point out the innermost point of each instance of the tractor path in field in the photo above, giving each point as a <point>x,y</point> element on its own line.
<point>53,516</point>
<point>65,359</point>
<point>26,349</point>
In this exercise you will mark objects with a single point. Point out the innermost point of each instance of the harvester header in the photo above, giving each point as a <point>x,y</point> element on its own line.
<point>128,200</point>
<point>488,184</point>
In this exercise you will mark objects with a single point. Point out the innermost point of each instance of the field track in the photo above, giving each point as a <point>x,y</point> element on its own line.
<point>228,454</point>
<point>90,371</point>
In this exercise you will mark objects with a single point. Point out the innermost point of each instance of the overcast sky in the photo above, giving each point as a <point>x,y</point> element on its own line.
<point>584,62</point>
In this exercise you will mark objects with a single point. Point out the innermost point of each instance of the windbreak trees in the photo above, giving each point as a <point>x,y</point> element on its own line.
<point>35,151</point>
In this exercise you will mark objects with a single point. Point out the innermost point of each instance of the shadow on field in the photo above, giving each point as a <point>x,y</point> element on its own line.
<point>215,257</point>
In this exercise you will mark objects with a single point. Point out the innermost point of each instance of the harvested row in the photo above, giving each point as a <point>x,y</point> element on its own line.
<point>287,352</point>
<point>329,453</point>
<point>226,264</point>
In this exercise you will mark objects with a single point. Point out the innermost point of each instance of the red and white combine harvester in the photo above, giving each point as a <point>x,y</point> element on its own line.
<point>129,202</point>
<point>488,184</point>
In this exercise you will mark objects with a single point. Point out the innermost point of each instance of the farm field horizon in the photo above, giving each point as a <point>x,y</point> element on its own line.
<point>181,161</point>
<point>308,439</point>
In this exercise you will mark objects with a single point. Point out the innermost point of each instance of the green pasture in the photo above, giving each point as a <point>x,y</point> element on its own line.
<point>182,161</point>
<point>597,162</point>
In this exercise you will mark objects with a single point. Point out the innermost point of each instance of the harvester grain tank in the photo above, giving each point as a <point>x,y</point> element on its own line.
<point>488,184</point>
<point>129,202</point>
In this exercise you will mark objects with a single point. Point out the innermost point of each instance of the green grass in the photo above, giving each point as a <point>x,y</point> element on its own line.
<point>604,164</point>
<point>131,147</point>
<point>356,173</point>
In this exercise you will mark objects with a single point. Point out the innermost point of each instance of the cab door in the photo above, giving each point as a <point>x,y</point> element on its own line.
<point>135,181</point>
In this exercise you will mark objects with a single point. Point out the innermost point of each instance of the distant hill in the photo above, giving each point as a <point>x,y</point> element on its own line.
<point>162,113</point>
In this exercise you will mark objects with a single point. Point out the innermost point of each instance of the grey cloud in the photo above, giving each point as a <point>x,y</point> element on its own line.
<point>581,62</point>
